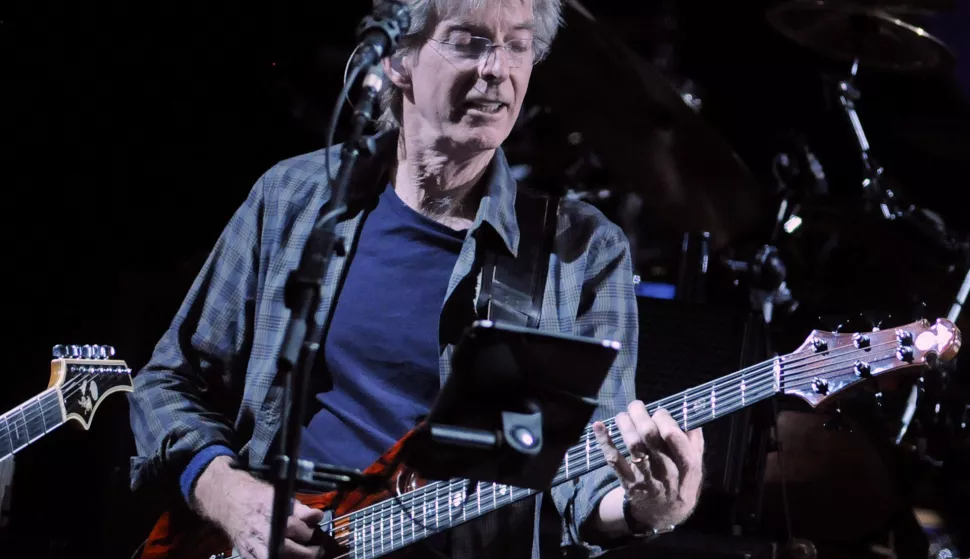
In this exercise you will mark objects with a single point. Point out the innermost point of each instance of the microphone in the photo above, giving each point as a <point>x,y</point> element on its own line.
<point>381,31</point>
<point>373,82</point>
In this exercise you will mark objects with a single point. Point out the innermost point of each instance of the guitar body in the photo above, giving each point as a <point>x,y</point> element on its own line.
<point>187,536</point>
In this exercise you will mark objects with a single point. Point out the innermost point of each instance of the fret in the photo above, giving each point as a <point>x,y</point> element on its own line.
<point>390,517</point>
<point>743,387</point>
<point>34,419</point>
<point>776,369</point>
<point>6,444</point>
<point>495,487</point>
<point>410,513</point>
<point>16,430</point>
<point>424,514</point>
<point>684,408</point>
<point>382,532</point>
<point>589,434</point>
<point>354,539</point>
<point>713,401</point>
<point>371,523</point>
<point>478,496</point>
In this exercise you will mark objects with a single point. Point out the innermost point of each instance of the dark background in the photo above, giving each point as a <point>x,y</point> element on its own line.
<point>138,129</point>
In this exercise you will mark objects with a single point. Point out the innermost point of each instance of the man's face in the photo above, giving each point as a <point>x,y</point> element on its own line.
<point>466,96</point>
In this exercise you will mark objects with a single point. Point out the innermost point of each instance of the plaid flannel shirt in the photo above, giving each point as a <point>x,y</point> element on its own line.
<point>223,342</point>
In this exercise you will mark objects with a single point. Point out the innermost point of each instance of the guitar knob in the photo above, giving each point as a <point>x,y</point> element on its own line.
<point>861,341</point>
<point>905,337</point>
<point>819,344</point>
<point>86,351</point>
<point>905,353</point>
<point>821,386</point>
<point>60,351</point>
<point>862,369</point>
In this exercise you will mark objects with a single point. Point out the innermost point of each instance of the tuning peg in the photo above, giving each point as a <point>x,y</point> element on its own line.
<point>86,351</point>
<point>59,351</point>
<point>95,351</point>
<point>108,351</point>
<point>75,351</point>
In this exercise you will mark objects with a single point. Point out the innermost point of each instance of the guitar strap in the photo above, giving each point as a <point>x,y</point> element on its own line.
<point>512,287</point>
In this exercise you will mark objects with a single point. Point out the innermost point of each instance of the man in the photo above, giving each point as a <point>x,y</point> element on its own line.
<point>438,190</point>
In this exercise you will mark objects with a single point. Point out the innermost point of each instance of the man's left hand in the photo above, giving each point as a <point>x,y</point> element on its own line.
<point>664,472</point>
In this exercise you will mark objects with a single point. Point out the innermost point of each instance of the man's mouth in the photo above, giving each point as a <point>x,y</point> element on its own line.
<point>487,107</point>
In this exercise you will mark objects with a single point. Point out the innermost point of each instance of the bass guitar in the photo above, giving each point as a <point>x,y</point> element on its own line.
<point>81,378</point>
<point>373,524</point>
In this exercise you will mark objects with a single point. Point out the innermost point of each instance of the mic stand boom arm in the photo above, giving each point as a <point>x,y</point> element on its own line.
<point>303,285</point>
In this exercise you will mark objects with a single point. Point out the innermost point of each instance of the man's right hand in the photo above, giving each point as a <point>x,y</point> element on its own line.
<point>242,506</point>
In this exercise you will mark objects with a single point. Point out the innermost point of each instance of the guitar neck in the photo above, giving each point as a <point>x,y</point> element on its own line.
<point>30,421</point>
<point>397,522</point>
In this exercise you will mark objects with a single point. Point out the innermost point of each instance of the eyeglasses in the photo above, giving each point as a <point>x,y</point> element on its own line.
<point>472,50</point>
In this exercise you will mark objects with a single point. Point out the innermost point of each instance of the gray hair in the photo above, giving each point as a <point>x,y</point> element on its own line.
<point>546,13</point>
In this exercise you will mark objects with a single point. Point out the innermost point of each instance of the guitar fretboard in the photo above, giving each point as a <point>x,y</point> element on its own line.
<point>30,421</point>
<point>395,523</point>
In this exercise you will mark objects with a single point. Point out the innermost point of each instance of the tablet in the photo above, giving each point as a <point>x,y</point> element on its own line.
<point>501,372</point>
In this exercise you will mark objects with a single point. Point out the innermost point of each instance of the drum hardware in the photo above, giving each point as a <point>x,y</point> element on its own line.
<point>853,32</point>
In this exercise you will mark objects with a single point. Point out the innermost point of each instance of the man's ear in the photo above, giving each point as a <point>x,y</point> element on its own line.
<point>397,68</point>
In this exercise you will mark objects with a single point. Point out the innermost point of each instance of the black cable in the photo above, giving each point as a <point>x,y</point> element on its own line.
<point>335,116</point>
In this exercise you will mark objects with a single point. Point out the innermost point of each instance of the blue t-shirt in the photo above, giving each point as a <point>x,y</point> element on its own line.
<point>382,345</point>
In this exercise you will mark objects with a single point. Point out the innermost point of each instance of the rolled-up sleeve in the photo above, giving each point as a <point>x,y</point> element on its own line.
<point>607,310</point>
<point>176,407</point>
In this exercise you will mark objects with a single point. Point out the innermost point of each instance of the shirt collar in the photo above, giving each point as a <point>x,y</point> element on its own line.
<point>497,207</point>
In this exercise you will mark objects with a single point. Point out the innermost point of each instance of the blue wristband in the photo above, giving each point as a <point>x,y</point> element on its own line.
<point>198,463</point>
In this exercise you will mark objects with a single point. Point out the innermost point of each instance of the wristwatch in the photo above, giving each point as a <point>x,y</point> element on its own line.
<point>641,529</point>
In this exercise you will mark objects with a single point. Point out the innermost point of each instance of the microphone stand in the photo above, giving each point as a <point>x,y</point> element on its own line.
<point>302,338</point>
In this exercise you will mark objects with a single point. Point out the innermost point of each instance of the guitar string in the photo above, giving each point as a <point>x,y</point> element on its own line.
<point>370,514</point>
<point>781,362</point>
<point>30,415</point>
<point>488,490</point>
<point>790,377</point>
<point>68,389</point>
<point>661,403</point>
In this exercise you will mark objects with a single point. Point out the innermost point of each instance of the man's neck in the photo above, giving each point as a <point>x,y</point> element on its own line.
<point>444,188</point>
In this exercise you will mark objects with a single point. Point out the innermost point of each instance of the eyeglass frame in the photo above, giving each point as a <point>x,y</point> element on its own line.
<point>537,53</point>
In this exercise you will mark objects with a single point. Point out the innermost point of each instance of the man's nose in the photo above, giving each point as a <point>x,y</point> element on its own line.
<point>496,65</point>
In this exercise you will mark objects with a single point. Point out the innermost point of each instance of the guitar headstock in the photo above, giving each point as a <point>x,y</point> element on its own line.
<point>85,376</point>
<point>828,363</point>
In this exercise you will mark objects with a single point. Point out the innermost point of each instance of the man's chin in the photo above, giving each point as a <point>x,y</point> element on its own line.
<point>477,138</point>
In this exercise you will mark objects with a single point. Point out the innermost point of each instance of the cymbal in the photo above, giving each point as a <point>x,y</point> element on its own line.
<point>644,131</point>
<point>847,32</point>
